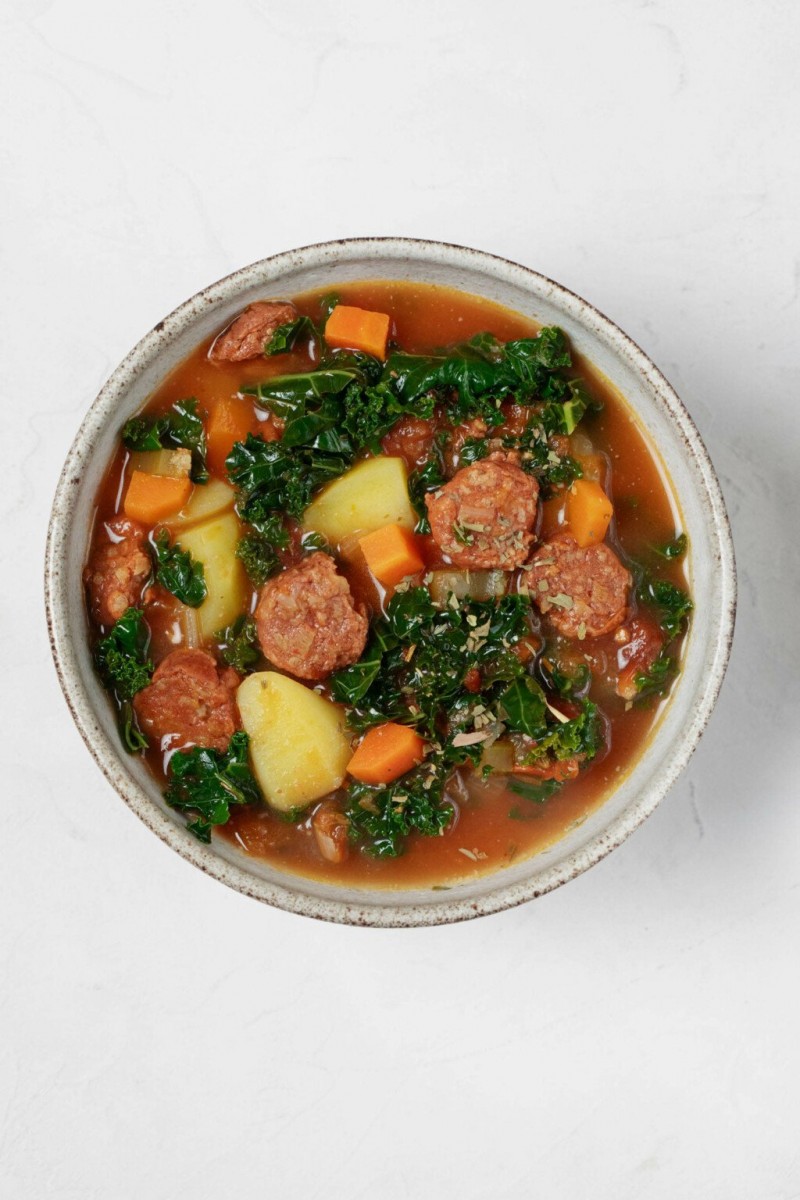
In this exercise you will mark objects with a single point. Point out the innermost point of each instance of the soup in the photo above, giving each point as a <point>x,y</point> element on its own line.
<point>387,586</point>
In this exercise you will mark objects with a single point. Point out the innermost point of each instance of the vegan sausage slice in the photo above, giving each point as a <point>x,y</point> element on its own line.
<point>117,571</point>
<point>190,701</point>
<point>245,337</point>
<point>584,591</point>
<point>484,517</point>
<point>308,623</point>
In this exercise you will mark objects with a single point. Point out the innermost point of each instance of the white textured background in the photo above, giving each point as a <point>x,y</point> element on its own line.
<point>635,1034</point>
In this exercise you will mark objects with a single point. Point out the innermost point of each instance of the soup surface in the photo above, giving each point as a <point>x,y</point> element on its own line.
<point>387,585</point>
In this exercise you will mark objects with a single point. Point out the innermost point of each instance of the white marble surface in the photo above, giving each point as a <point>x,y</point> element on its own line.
<point>633,1035</point>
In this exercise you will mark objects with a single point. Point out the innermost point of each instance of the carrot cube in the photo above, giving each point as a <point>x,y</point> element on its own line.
<point>350,328</point>
<point>152,498</point>
<point>391,554</point>
<point>588,512</point>
<point>385,753</point>
<point>231,419</point>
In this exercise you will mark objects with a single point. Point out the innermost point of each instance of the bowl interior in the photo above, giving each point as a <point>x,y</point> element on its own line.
<point>659,414</point>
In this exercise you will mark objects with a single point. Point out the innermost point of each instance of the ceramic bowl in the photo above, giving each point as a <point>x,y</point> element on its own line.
<point>659,412</point>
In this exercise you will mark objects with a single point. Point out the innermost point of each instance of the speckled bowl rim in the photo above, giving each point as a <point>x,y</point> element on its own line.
<point>286,896</point>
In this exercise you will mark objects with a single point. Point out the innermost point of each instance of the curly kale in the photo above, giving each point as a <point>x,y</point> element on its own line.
<point>238,644</point>
<point>415,671</point>
<point>205,783</point>
<point>181,427</point>
<point>259,556</point>
<point>286,337</point>
<point>121,659</point>
<point>178,572</point>
<point>656,680</point>
<point>671,603</point>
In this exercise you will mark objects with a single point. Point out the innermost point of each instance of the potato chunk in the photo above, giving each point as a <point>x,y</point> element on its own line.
<point>370,495</point>
<point>206,501</point>
<point>213,543</point>
<point>298,744</point>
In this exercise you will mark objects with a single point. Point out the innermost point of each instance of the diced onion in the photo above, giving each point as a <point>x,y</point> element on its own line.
<point>176,464</point>
<point>579,444</point>
<point>499,756</point>
<point>479,585</point>
<point>191,627</point>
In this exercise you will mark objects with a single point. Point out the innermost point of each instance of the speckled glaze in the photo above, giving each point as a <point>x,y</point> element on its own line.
<point>659,413</point>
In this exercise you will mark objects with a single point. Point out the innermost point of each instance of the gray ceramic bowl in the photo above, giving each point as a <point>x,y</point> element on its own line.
<point>659,412</point>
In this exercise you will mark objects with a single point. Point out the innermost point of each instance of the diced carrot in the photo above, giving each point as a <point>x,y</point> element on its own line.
<point>231,419</point>
<point>350,328</point>
<point>391,554</point>
<point>152,498</point>
<point>385,753</point>
<point>588,512</point>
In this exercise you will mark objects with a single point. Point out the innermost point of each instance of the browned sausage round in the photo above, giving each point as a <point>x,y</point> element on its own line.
<point>307,622</point>
<point>484,516</point>
<point>189,701</point>
<point>584,591</point>
<point>245,337</point>
<point>117,571</point>
<point>331,831</point>
<point>411,439</point>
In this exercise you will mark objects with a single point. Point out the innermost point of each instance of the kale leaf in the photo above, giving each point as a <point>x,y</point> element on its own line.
<point>345,396</point>
<point>523,707</point>
<point>314,542</point>
<point>177,571</point>
<point>370,412</point>
<point>671,603</point>
<point>657,678</point>
<point>259,556</point>
<point>180,427</point>
<point>474,378</point>
<point>280,478</point>
<point>350,685</point>
<point>538,791</point>
<point>427,478</point>
<point>580,737</point>
<point>205,783</point>
<point>286,395</point>
<point>572,681</point>
<point>286,336</point>
<point>419,656</point>
<point>121,657</point>
<point>674,549</point>
<point>122,662</point>
<point>328,303</point>
<point>366,367</point>
<point>383,817</point>
<point>239,646</point>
